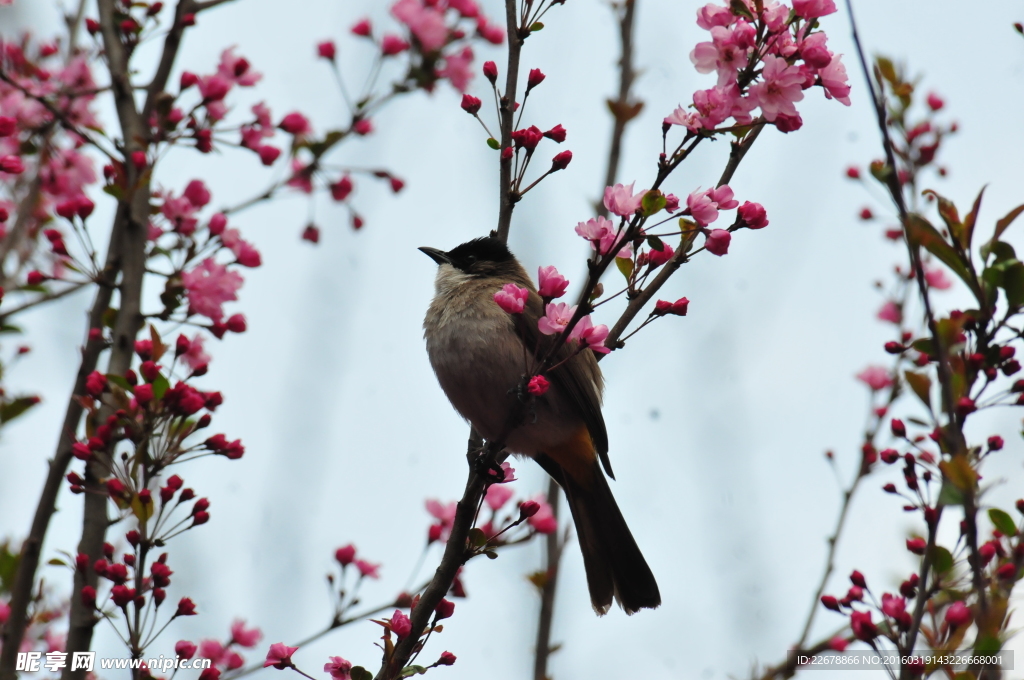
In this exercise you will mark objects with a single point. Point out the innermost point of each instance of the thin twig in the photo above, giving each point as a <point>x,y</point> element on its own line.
<point>553,546</point>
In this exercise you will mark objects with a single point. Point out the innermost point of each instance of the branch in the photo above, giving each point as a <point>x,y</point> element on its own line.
<point>736,155</point>
<point>553,552</point>
<point>622,108</point>
<point>506,114</point>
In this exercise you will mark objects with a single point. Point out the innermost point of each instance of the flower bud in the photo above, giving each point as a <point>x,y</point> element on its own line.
<point>535,78</point>
<point>528,509</point>
<point>561,161</point>
<point>471,104</point>
<point>898,428</point>
<point>491,71</point>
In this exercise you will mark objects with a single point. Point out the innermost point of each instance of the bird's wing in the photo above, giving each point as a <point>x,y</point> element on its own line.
<point>579,378</point>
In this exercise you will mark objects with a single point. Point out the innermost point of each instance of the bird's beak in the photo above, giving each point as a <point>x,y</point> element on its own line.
<point>438,256</point>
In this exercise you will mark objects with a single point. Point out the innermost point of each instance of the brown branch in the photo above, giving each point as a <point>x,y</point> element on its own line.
<point>507,202</point>
<point>49,297</point>
<point>553,555</point>
<point>624,109</point>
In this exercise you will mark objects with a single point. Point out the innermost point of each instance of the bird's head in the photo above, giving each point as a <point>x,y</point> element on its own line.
<point>478,259</point>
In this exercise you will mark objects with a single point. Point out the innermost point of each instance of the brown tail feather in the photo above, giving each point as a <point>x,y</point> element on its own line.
<point>614,564</point>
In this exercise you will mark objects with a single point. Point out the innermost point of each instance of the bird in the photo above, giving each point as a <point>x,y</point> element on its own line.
<point>480,355</point>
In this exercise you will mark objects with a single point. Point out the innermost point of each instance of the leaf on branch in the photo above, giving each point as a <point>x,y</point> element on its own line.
<point>360,673</point>
<point>971,220</point>
<point>959,472</point>
<point>12,409</point>
<point>922,233</point>
<point>921,384</point>
<point>625,266</point>
<point>1003,522</point>
<point>950,215</point>
<point>624,112</point>
<point>1004,223</point>
<point>652,202</point>
<point>942,559</point>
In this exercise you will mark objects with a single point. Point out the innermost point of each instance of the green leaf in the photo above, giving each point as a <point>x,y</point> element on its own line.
<point>922,386</point>
<point>923,234</point>
<point>987,644</point>
<point>1007,220</point>
<point>950,495</point>
<point>652,202</point>
<point>1013,284</point>
<point>886,68</point>
<point>971,220</point>
<point>924,346</point>
<point>477,538</point>
<point>160,387</point>
<point>1003,522</point>
<point>120,381</point>
<point>12,409</point>
<point>536,26</point>
<point>656,243</point>
<point>360,673</point>
<point>491,555</point>
<point>10,328</point>
<point>942,560</point>
<point>739,9</point>
<point>56,562</point>
<point>625,266</point>
<point>493,143</point>
<point>949,215</point>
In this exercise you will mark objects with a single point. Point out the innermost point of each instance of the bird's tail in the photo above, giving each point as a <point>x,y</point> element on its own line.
<point>614,564</point>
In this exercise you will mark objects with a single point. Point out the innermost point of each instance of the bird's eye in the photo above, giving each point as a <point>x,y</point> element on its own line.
<point>470,259</point>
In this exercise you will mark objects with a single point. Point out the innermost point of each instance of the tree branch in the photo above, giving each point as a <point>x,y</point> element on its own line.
<point>553,556</point>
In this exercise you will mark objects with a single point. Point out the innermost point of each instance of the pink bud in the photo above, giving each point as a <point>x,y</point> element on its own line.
<point>958,614</point>
<point>528,509</point>
<point>490,71</point>
<point>916,545</point>
<point>326,49</point>
<point>535,78</point>
<point>506,153</point>
<point>391,45</point>
<point>268,154</point>
<point>311,234</point>
<point>538,385</point>
<point>470,104</point>
<point>12,165</point>
<point>217,224</point>
<point>185,649</point>
<point>7,126</point>
<point>853,172</point>
<point>362,28</point>
<point>935,102</point>
<point>188,79</point>
<point>857,579</point>
<point>561,161</point>
<point>754,215</point>
<point>717,242</point>
<point>345,555</point>
<point>444,609</point>
<point>400,624</point>
<point>144,393</point>
<point>898,428</point>
<point>362,127</point>
<point>830,602</point>
<point>512,298</point>
<point>447,659</point>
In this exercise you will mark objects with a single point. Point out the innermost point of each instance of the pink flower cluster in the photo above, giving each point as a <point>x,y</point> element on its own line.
<point>433,26</point>
<point>763,59</point>
<point>224,656</point>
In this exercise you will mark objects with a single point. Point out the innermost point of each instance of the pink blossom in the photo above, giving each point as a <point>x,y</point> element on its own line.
<point>592,335</point>
<point>214,88</point>
<point>400,624</point>
<point>552,284</point>
<point>681,116</point>
<point>339,668</point>
<point>835,81</point>
<point>780,89</point>
<point>702,207</point>
<point>937,279</point>
<point>723,197</point>
<point>775,16</point>
<point>717,242</point>
<point>508,474</point>
<point>711,15</point>
<point>497,495</point>
<point>362,28</point>
<point>5,609</point>
<point>367,569</point>
<point>512,298</point>
<point>890,312</point>
<point>195,356</point>
<point>458,69</point>
<point>812,9</point>
<point>602,235</point>
<point>621,200</point>
<point>245,252</point>
<point>211,649</point>
<point>875,377</point>
<point>492,33</point>
<point>236,69</point>
<point>180,211</point>
<point>247,637</point>
<point>467,8</point>
<point>184,649</point>
<point>209,286</point>
<point>543,521</point>
<point>302,177</point>
<point>280,656</point>
<point>445,515</point>
<point>556,318</point>
<point>814,52</point>
<point>426,23</point>
<point>713,106</point>
<point>727,52</point>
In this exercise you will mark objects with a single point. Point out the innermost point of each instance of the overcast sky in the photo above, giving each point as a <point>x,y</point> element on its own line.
<point>717,421</point>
